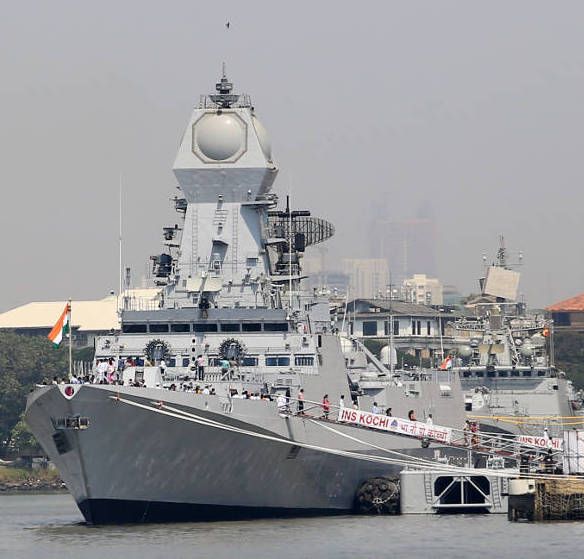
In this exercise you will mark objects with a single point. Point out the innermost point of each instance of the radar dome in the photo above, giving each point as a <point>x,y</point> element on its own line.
<point>465,351</point>
<point>263,138</point>
<point>384,355</point>
<point>219,136</point>
<point>526,349</point>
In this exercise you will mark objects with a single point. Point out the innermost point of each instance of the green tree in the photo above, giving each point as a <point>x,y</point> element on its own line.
<point>24,362</point>
<point>569,353</point>
<point>22,440</point>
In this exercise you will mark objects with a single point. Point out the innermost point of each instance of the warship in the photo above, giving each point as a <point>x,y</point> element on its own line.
<point>503,355</point>
<point>505,359</point>
<point>231,396</point>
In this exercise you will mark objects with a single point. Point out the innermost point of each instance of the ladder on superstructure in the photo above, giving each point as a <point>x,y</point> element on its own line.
<point>194,237</point>
<point>234,240</point>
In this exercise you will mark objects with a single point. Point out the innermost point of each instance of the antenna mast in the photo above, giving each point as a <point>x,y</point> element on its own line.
<point>121,269</point>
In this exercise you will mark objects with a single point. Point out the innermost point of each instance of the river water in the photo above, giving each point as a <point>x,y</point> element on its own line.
<point>50,526</point>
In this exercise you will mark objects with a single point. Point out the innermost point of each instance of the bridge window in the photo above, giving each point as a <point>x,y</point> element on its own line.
<point>503,373</point>
<point>251,327</point>
<point>180,327</point>
<point>304,360</point>
<point>134,328</point>
<point>249,361</point>
<point>230,327</point>
<point>277,361</point>
<point>276,327</point>
<point>205,327</point>
<point>526,373</point>
<point>158,328</point>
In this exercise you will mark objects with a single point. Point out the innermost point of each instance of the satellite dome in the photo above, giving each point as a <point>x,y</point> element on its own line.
<point>465,351</point>
<point>219,136</point>
<point>263,138</point>
<point>385,354</point>
<point>526,349</point>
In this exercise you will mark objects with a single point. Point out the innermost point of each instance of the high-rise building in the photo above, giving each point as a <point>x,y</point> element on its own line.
<point>319,277</point>
<point>408,244</point>
<point>368,277</point>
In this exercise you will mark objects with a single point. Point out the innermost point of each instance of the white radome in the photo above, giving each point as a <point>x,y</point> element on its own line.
<point>465,351</point>
<point>263,138</point>
<point>385,353</point>
<point>219,136</point>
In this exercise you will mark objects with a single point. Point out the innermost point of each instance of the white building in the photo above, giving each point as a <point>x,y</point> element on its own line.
<point>417,329</point>
<point>88,318</point>
<point>422,290</point>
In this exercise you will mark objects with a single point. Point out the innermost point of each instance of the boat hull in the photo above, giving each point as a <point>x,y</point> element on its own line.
<point>139,462</point>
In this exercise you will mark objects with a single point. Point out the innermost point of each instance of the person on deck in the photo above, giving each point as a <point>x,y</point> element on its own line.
<point>474,429</point>
<point>101,369</point>
<point>301,401</point>
<point>412,415</point>
<point>200,367</point>
<point>326,406</point>
<point>111,369</point>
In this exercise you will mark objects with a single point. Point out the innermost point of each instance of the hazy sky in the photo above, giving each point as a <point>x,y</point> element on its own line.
<point>476,108</point>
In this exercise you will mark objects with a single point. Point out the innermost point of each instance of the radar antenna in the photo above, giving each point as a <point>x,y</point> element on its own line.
<point>502,253</point>
<point>224,98</point>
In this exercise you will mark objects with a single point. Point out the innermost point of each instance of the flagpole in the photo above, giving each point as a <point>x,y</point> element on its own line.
<point>70,343</point>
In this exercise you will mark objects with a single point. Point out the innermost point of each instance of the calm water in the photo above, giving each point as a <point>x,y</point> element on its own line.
<point>49,526</point>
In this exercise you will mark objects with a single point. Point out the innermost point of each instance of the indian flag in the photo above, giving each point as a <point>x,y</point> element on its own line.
<point>62,326</point>
<point>446,364</point>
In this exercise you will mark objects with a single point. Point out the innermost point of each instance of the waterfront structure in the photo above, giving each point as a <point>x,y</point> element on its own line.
<point>418,329</point>
<point>568,314</point>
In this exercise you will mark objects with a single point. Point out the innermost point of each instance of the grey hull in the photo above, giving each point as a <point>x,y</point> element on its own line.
<point>136,465</point>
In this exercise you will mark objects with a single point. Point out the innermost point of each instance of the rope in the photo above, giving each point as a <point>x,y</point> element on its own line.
<point>410,462</point>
